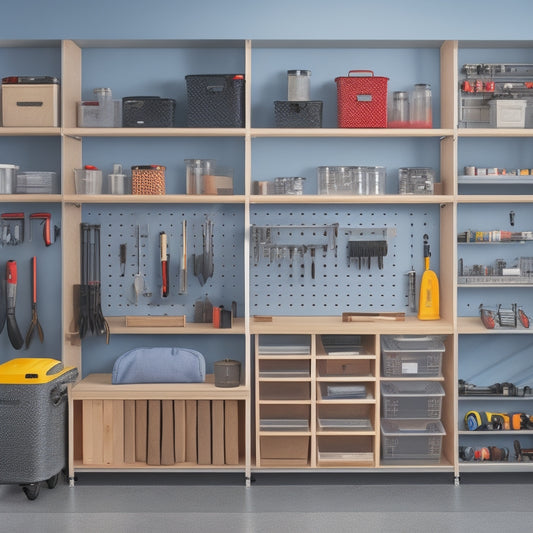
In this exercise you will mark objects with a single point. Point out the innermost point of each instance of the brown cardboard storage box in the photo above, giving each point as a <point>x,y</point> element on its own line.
<point>35,105</point>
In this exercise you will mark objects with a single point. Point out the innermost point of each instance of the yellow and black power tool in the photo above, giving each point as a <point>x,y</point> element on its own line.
<point>487,421</point>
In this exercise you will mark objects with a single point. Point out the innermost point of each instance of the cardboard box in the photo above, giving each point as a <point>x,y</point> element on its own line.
<point>35,105</point>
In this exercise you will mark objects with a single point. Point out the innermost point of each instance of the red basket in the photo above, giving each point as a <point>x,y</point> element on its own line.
<point>361,100</point>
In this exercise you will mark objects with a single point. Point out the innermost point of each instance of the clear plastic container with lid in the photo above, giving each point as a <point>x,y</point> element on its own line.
<point>376,180</point>
<point>420,106</point>
<point>7,178</point>
<point>416,180</point>
<point>399,113</point>
<point>298,85</point>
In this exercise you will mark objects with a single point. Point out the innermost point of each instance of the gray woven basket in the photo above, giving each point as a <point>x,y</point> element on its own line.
<point>215,100</point>
<point>33,438</point>
<point>292,114</point>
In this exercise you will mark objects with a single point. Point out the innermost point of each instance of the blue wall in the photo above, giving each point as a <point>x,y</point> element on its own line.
<point>272,19</point>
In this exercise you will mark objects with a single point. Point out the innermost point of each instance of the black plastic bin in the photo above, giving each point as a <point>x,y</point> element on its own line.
<point>33,418</point>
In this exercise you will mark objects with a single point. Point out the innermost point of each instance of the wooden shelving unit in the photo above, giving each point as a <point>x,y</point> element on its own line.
<point>288,384</point>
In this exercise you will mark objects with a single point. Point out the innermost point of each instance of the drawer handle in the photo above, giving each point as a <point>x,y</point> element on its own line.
<point>29,104</point>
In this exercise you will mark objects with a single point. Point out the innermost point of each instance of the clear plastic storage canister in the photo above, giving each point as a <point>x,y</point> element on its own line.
<point>420,106</point>
<point>196,169</point>
<point>7,178</point>
<point>116,181</point>
<point>376,180</point>
<point>88,180</point>
<point>298,85</point>
<point>335,180</point>
<point>399,112</point>
<point>416,180</point>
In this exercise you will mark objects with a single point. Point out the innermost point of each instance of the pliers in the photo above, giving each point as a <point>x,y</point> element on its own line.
<point>35,324</point>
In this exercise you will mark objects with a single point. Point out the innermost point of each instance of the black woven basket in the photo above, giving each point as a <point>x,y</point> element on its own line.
<point>291,114</point>
<point>215,100</point>
<point>148,112</point>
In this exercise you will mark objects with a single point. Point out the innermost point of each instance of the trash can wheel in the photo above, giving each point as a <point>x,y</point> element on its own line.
<point>31,490</point>
<point>52,481</point>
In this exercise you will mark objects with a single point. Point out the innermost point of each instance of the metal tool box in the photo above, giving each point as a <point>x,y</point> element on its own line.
<point>33,418</point>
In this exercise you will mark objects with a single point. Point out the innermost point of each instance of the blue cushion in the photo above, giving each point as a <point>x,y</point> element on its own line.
<point>159,365</point>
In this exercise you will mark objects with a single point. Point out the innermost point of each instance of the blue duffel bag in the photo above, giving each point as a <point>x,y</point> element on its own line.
<point>159,365</point>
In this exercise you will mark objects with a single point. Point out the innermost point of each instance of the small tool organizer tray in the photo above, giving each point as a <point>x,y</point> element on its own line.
<point>287,242</point>
<point>521,273</point>
<point>500,316</point>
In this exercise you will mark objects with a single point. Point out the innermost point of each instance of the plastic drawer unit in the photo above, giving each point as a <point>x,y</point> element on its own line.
<point>33,418</point>
<point>411,399</point>
<point>412,356</point>
<point>411,441</point>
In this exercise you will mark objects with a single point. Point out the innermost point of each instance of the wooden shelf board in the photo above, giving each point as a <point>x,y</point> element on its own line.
<point>472,325</point>
<point>495,132</point>
<point>303,433</point>
<point>99,386</point>
<point>11,131</point>
<point>152,199</point>
<point>79,466</point>
<point>282,401</point>
<point>345,379</point>
<point>154,132</point>
<point>494,199</point>
<point>355,401</point>
<point>412,378</point>
<point>493,466</point>
<point>345,433</point>
<point>117,325</point>
<point>351,132</point>
<point>285,379</point>
<point>30,198</point>
<point>492,434</point>
<point>159,43</point>
<point>335,326</point>
<point>339,356</point>
<point>350,199</point>
<point>283,356</point>
<point>492,285</point>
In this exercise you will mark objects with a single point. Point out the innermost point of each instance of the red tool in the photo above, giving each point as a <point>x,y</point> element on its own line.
<point>35,324</point>
<point>164,263</point>
<point>13,332</point>
<point>48,237</point>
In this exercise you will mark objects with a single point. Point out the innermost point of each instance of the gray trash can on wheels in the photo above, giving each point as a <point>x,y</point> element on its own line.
<point>33,422</point>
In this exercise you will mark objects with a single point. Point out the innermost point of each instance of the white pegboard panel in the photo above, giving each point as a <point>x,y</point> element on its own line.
<point>119,225</point>
<point>280,285</point>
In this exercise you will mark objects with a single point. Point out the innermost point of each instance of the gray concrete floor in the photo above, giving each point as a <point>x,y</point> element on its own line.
<point>302,503</point>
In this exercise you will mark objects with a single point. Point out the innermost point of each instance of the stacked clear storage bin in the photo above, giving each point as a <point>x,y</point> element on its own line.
<point>411,427</point>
